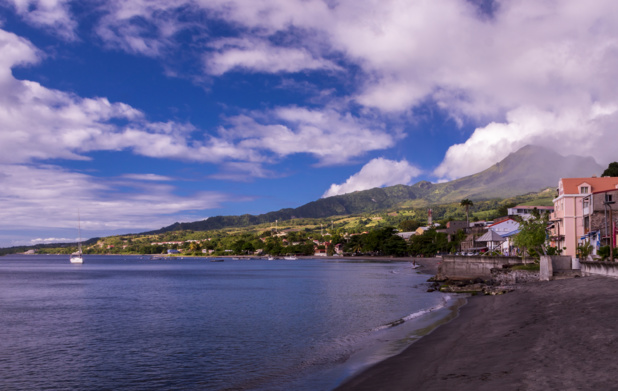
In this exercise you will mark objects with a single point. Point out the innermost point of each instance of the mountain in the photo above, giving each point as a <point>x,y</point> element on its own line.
<point>529,169</point>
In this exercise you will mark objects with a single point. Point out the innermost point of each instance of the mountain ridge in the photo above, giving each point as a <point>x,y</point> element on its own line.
<point>529,169</point>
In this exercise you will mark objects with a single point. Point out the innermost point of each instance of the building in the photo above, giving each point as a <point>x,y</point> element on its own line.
<point>577,210</point>
<point>406,235</point>
<point>599,219</point>
<point>491,239</point>
<point>504,227</point>
<point>525,211</point>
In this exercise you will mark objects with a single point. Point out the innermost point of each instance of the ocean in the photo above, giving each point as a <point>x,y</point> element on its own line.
<point>131,323</point>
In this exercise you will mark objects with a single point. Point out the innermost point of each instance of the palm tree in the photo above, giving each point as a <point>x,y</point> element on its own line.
<point>466,203</point>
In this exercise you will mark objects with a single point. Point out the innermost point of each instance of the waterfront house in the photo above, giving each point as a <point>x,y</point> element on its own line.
<point>574,216</point>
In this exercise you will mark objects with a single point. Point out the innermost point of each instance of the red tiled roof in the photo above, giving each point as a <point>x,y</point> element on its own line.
<point>571,185</point>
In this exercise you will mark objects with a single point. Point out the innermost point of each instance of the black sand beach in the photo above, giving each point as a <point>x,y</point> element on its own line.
<point>557,335</point>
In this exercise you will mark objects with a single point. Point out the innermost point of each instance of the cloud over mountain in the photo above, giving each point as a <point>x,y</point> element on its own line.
<point>377,173</point>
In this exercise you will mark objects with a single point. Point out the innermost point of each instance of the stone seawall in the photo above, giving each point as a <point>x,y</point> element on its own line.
<point>512,277</point>
<point>597,268</point>
<point>463,268</point>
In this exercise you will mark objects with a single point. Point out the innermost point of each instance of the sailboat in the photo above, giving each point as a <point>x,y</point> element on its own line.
<point>77,257</point>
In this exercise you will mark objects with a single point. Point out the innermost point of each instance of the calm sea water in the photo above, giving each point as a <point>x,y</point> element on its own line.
<point>136,324</point>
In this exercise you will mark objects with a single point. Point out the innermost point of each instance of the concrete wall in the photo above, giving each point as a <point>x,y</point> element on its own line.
<point>463,268</point>
<point>561,262</point>
<point>609,269</point>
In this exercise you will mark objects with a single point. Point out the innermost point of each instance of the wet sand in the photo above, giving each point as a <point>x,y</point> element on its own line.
<point>557,335</point>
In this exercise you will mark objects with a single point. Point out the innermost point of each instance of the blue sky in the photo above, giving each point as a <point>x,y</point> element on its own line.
<point>141,113</point>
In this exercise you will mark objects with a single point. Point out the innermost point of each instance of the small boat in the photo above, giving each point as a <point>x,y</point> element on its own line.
<point>216,260</point>
<point>271,258</point>
<point>290,258</point>
<point>77,257</point>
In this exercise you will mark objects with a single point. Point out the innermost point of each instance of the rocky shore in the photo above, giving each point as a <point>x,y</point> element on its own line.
<point>556,335</point>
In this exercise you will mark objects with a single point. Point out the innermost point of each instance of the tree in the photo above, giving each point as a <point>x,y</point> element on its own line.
<point>532,234</point>
<point>409,225</point>
<point>466,203</point>
<point>611,170</point>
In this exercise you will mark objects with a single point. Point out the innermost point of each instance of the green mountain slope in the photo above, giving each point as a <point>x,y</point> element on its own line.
<point>530,169</point>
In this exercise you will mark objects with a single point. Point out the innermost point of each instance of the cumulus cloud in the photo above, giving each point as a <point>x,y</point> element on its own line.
<point>582,131</point>
<point>330,136</point>
<point>548,56</point>
<point>378,172</point>
<point>52,15</point>
<point>148,177</point>
<point>471,64</point>
<point>31,115</point>
<point>261,56</point>
<point>521,72</point>
<point>52,240</point>
<point>50,196</point>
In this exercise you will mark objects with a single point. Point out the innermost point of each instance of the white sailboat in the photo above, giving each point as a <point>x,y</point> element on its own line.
<point>77,257</point>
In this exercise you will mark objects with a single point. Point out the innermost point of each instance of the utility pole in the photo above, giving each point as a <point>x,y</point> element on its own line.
<point>611,242</point>
<point>607,232</point>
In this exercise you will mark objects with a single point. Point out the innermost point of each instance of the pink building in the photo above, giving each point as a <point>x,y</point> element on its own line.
<point>572,206</point>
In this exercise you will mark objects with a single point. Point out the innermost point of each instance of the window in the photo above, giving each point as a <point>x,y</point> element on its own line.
<point>609,197</point>
<point>583,190</point>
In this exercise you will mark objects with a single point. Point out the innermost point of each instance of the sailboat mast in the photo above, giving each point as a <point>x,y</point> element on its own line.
<point>79,230</point>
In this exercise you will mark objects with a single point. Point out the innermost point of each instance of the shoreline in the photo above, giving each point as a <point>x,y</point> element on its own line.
<point>544,335</point>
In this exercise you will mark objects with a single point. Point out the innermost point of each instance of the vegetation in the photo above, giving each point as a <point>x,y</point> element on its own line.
<point>527,266</point>
<point>466,203</point>
<point>604,253</point>
<point>532,235</point>
<point>611,170</point>
<point>356,233</point>
<point>585,249</point>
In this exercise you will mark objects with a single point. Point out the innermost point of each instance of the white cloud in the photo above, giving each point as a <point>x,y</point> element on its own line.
<point>32,116</point>
<point>377,173</point>
<point>577,131</point>
<point>539,63</point>
<point>49,196</point>
<point>540,53</point>
<point>261,56</point>
<point>148,177</point>
<point>53,15</point>
<point>528,55</point>
<point>331,137</point>
<point>52,240</point>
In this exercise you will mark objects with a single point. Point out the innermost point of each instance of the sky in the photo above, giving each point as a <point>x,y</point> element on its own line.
<point>130,115</point>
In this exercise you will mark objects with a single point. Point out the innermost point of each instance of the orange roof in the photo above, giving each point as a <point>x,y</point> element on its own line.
<point>571,185</point>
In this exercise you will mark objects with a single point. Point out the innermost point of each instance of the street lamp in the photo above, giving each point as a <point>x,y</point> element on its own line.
<point>611,219</point>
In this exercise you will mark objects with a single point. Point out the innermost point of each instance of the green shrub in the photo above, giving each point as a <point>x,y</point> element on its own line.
<point>527,266</point>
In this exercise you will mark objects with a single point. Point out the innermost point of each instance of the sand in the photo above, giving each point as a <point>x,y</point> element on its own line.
<point>557,335</point>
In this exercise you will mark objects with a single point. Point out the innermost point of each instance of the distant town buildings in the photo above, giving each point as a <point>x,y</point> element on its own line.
<point>525,211</point>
